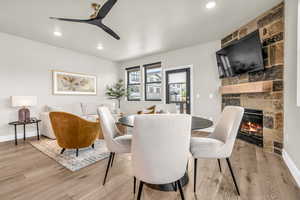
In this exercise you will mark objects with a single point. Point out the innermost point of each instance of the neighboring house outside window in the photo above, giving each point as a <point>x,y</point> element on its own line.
<point>153,77</point>
<point>134,83</point>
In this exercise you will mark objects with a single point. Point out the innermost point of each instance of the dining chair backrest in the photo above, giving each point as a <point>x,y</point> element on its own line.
<point>109,128</point>
<point>160,147</point>
<point>70,130</point>
<point>228,126</point>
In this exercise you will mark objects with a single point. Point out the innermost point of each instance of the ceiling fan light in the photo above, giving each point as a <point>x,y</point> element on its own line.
<point>211,4</point>
<point>57,33</point>
<point>99,47</point>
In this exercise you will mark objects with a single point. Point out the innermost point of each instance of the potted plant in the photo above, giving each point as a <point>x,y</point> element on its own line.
<point>116,91</point>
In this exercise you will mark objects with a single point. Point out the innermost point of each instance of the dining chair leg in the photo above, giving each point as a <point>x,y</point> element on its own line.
<point>112,160</point>
<point>195,174</point>
<point>233,178</point>
<point>220,165</point>
<point>174,185</point>
<point>140,190</point>
<point>77,152</point>
<point>134,184</point>
<point>187,166</point>
<point>180,190</point>
<point>62,151</point>
<point>107,168</point>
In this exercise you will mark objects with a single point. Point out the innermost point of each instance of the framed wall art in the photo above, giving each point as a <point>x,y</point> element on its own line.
<point>67,83</point>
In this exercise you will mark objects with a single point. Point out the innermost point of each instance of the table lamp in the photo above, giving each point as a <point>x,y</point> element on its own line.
<point>24,102</point>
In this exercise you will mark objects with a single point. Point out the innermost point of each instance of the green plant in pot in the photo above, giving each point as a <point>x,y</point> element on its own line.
<point>116,91</point>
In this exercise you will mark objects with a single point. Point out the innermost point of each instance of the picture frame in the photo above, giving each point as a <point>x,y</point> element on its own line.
<point>70,83</point>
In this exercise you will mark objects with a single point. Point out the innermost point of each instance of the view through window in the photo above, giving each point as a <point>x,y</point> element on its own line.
<point>134,83</point>
<point>178,89</point>
<point>153,77</point>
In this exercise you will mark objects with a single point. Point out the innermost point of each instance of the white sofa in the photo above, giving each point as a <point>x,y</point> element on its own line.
<point>166,108</point>
<point>131,107</point>
<point>161,108</point>
<point>84,110</point>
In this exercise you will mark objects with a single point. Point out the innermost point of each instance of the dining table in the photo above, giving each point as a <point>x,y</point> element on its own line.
<point>198,123</point>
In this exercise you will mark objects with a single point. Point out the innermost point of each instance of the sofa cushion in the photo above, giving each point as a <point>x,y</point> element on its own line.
<point>91,108</point>
<point>70,108</point>
<point>55,109</point>
<point>46,127</point>
<point>166,108</point>
<point>92,118</point>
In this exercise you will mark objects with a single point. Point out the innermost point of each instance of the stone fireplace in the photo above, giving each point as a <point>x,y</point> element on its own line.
<point>267,130</point>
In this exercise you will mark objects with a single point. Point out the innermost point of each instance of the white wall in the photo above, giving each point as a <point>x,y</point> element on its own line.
<point>205,76</point>
<point>25,69</point>
<point>292,112</point>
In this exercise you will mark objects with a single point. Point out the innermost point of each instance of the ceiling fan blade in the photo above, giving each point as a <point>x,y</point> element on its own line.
<point>71,20</point>
<point>104,10</point>
<point>109,31</point>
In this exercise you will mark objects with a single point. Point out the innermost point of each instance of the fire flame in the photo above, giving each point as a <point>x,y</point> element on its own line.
<point>251,127</point>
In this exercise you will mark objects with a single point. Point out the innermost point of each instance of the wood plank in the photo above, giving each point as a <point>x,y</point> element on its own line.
<point>28,174</point>
<point>270,188</point>
<point>252,87</point>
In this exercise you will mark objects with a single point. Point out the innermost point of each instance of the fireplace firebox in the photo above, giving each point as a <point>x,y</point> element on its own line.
<point>251,129</point>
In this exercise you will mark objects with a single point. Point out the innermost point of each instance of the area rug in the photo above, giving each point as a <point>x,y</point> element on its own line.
<point>87,156</point>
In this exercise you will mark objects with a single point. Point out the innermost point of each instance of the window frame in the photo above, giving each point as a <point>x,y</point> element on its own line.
<point>151,66</point>
<point>128,70</point>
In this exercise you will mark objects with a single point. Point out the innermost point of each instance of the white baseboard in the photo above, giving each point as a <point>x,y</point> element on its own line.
<point>292,167</point>
<point>6,138</point>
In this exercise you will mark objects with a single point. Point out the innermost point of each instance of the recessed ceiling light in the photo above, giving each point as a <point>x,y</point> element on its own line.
<point>211,4</point>
<point>99,47</point>
<point>57,33</point>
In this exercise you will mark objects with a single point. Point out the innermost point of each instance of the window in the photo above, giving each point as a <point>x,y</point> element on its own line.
<point>153,82</point>
<point>133,83</point>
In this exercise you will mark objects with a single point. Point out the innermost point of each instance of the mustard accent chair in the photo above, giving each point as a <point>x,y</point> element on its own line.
<point>150,110</point>
<point>73,132</point>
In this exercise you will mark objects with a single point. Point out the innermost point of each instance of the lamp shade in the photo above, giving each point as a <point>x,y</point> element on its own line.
<point>19,101</point>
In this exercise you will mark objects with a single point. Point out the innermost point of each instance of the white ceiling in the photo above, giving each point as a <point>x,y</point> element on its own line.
<point>145,26</point>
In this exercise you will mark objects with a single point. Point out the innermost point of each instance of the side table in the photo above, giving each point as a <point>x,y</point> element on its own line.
<point>32,121</point>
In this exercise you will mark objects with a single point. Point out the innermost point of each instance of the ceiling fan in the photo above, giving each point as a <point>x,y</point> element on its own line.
<point>97,17</point>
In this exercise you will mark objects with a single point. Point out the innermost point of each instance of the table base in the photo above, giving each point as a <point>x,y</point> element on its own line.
<point>170,187</point>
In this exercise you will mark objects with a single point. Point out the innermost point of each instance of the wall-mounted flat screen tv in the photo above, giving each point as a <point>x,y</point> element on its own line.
<point>241,56</point>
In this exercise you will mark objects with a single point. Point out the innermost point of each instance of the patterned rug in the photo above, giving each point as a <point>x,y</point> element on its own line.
<point>68,159</point>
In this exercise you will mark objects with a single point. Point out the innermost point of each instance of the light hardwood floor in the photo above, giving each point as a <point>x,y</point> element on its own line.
<point>27,174</point>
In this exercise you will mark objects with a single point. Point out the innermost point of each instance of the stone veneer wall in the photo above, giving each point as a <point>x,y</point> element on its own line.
<point>271,28</point>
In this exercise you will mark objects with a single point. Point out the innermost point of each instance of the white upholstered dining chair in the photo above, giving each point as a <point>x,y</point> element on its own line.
<point>160,149</point>
<point>219,144</point>
<point>115,144</point>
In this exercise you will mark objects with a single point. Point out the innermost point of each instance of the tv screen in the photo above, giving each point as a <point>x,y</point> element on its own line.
<point>241,56</point>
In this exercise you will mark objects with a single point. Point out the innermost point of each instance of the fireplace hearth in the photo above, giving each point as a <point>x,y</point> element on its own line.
<point>251,129</point>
